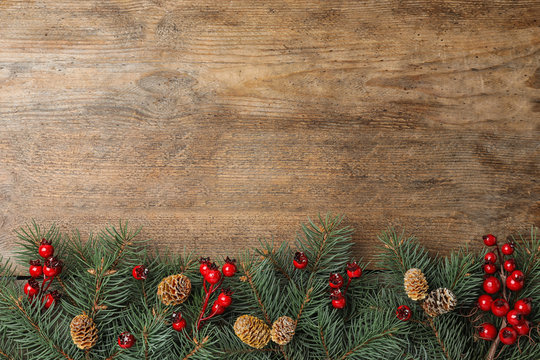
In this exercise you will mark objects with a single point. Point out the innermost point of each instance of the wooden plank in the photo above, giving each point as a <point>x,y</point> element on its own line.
<point>213,123</point>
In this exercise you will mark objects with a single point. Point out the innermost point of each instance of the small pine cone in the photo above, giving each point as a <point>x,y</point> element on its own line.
<point>416,285</point>
<point>252,331</point>
<point>83,332</point>
<point>283,330</point>
<point>439,302</point>
<point>174,289</point>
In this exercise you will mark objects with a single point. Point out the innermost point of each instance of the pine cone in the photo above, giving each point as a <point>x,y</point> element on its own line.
<point>416,285</point>
<point>439,302</point>
<point>252,331</point>
<point>283,330</point>
<point>83,332</point>
<point>174,289</point>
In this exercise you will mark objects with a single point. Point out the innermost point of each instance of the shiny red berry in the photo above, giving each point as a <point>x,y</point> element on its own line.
<point>491,285</point>
<point>403,313</point>
<point>35,270</point>
<point>336,281</point>
<point>514,317</point>
<point>140,272</point>
<point>31,288</point>
<point>490,257</point>
<point>213,275</point>
<point>126,340</point>
<point>500,307</point>
<point>217,309</point>
<point>487,331</point>
<point>523,328</point>
<point>353,270</point>
<point>517,275</point>
<point>224,299</point>
<point>484,302</point>
<point>524,306</point>
<point>489,240</point>
<point>507,249</point>
<point>509,265</point>
<point>205,266</point>
<point>229,268</point>
<point>300,260</point>
<point>339,303</point>
<point>508,335</point>
<point>46,250</point>
<point>490,268</point>
<point>513,284</point>
<point>50,299</point>
<point>178,323</point>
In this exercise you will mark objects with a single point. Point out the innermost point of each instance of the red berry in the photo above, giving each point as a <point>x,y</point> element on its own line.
<point>140,272</point>
<point>490,268</point>
<point>339,303</point>
<point>50,299</point>
<point>217,309</point>
<point>513,284</point>
<point>524,306</point>
<point>487,331</point>
<point>126,340</point>
<point>510,265</point>
<point>508,335</point>
<point>205,266</point>
<point>489,240</point>
<point>178,323</point>
<point>514,317</point>
<point>300,260</point>
<point>213,275</point>
<point>229,268</point>
<point>31,288</point>
<point>46,250</point>
<point>35,269</point>
<point>484,302</point>
<point>490,257</point>
<point>500,307</point>
<point>403,313</point>
<point>336,281</point>
<point>224,299</point>
<point>52,267</point>
<point>491,285</point>
<point>507,249</point>
<point>517,275</point>
<point>522,329</point>
<point>353,270</point>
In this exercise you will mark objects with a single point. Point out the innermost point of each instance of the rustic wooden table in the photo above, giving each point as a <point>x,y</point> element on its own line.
<point>214,123</point>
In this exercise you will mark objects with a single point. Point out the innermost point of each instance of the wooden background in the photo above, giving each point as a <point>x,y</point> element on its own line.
<point>213,123</point>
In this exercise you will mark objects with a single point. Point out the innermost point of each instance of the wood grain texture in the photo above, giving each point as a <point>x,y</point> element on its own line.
<point>215,123</point>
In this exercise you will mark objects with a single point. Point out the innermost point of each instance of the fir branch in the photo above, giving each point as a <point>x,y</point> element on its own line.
<point>5,355</point>
<point>439,340</point>
<point>199,346</point>
<point>365,343</point>
<point>249,278</point>
<point>306,300</point>
<point>321,335</point>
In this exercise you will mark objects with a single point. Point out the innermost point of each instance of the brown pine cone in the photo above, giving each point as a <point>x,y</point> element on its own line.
<point>252,331</point>
<point>439,302</point>
<point>416,285</point>
<point>83,332</point>
<point>283,330</point>
<point>174,289</point>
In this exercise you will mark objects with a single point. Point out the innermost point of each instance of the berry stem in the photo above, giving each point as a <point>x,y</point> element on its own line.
<point>347,287</point>
<point>209,291</point>
<point>493,348</point>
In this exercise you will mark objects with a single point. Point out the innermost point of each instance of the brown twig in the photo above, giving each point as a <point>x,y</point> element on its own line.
<point>324,344</point>
<point>5,355</point>
<point>445,352</point>
<point>261,305</point>
<point>306,300</point>
<point>197,348</point>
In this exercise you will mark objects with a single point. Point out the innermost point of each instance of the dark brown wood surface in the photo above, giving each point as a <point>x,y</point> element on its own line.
<point>215,123</point>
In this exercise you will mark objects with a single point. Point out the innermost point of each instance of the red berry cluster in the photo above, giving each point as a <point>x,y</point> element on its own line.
<point>51,268</point>
<point>211,275</point>
<point>336,283</point>
<point>126,340</point>
<point>514,323</point>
